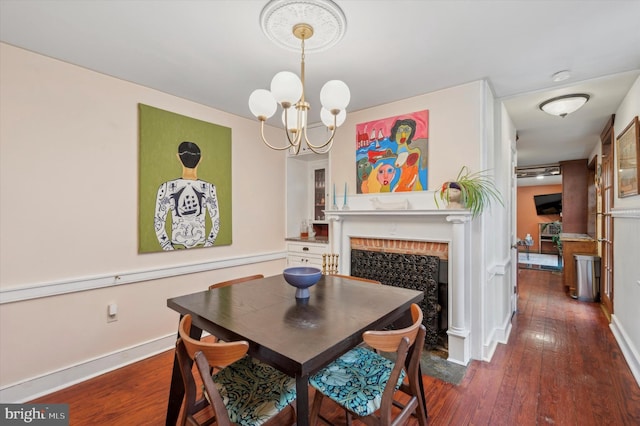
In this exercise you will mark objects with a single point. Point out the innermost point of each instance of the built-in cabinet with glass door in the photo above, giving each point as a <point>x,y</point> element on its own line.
<point>307,198</point>
<point>319,191</point>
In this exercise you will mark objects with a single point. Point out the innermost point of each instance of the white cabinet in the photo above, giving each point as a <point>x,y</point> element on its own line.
<point>305,254</point>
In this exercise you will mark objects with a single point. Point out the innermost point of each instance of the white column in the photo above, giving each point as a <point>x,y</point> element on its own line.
<point>335,240</point>
<point>459,348</point>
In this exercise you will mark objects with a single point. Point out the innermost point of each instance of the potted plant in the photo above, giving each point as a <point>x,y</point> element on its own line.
<point>473,191</point>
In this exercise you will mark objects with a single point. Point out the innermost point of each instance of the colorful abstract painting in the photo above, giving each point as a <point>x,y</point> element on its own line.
<point>392,154</point>
<point>184,183</point>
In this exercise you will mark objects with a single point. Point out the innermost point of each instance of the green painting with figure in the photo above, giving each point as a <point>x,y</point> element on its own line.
<point>184,182</point>
<point>392,154</point>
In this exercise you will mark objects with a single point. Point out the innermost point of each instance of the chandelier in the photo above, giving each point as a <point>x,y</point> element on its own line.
<point>287,89</point>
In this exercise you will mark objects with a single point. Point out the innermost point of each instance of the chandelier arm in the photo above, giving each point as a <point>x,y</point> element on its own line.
<point>264,139</point>
<point>298,134</point>
<point>329,142</point>
<point>296,149</point>
<point>319,149</point>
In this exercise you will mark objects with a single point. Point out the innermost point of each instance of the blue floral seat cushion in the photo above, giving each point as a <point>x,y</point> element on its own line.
<point>356,380</point>
<point>253,391</point>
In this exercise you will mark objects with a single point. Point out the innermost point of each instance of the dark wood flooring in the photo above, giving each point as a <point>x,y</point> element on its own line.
<point>561,366</point>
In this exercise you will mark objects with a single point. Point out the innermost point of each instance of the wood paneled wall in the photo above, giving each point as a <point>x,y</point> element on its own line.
<point>574,196</point>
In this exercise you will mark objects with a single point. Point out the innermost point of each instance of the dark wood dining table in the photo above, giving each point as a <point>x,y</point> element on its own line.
<point>296,336</point>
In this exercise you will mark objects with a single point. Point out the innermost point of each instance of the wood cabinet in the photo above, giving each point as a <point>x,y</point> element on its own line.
<point>574,244</point>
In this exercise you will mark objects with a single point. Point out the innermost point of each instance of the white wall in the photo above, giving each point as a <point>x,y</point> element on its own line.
<point>68,220</point>
<point>455,131</point>
<point>497,237</point>
<point>461,132</point>
<point>625,322</point>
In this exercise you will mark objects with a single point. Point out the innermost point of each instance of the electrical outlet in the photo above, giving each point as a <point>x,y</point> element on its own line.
<point>112,312</point>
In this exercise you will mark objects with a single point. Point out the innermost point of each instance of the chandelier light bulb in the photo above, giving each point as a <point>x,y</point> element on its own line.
<point>335,95</point>
<point>262,103</point>
<point>327,117</point>
<point>292,119</point>
<point>286,88</point>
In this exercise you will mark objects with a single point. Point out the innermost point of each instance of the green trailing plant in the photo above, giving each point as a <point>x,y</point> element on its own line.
<point>558,242</point>
<point>555,238</point>
<point>477,191</point>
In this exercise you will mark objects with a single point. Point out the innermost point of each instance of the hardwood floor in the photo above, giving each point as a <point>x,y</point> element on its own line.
<point>561,366</point>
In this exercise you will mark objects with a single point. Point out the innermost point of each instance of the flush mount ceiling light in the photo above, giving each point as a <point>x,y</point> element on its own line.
<point>564,105</point>
<point>291,24</point>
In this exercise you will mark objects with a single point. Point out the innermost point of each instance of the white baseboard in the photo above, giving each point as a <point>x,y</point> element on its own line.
<point>35,387</point>
<point>498,335</point>
<point>626,346</point>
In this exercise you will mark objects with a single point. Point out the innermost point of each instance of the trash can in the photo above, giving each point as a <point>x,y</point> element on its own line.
<point>587,277</point>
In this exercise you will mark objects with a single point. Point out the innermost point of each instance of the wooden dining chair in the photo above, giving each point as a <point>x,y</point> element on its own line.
<point>366,280</point>
<point>243,391</point>
<point>236,281</point>
<point>365,383</point>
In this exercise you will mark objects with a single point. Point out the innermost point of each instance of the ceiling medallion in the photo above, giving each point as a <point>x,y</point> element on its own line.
<point>324,16</point>
<point>561,76</point>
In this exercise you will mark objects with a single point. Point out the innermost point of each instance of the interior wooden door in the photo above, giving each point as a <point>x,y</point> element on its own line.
<point>606,267</point>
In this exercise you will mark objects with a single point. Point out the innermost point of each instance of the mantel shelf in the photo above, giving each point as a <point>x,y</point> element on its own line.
<point>399,212</point>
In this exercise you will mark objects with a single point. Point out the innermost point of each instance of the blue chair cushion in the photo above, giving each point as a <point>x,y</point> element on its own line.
<point>356,380</point>
<point>253,391</point>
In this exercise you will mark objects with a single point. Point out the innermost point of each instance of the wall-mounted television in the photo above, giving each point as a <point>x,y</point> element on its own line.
<point>548,203</point>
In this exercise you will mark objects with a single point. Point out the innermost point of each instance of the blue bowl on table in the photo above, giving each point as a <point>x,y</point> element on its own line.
<point>302,277</point>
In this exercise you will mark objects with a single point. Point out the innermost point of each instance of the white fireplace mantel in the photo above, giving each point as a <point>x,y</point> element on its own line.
<point>424,224</point>
<point>397,212</point>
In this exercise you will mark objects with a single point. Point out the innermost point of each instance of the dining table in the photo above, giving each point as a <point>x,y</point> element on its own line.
<point>296,336</point>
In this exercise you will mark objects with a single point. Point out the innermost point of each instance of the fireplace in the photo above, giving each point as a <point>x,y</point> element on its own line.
<point>417,265</point>
<point>421,231</point>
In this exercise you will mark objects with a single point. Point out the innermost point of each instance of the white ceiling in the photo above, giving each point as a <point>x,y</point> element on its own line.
<point>214,52</point>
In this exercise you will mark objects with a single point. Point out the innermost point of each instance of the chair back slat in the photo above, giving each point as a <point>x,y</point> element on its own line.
<point>219,354</point>
<point>366,280</point>
<point>236,281</point>
<point>389,340</point>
